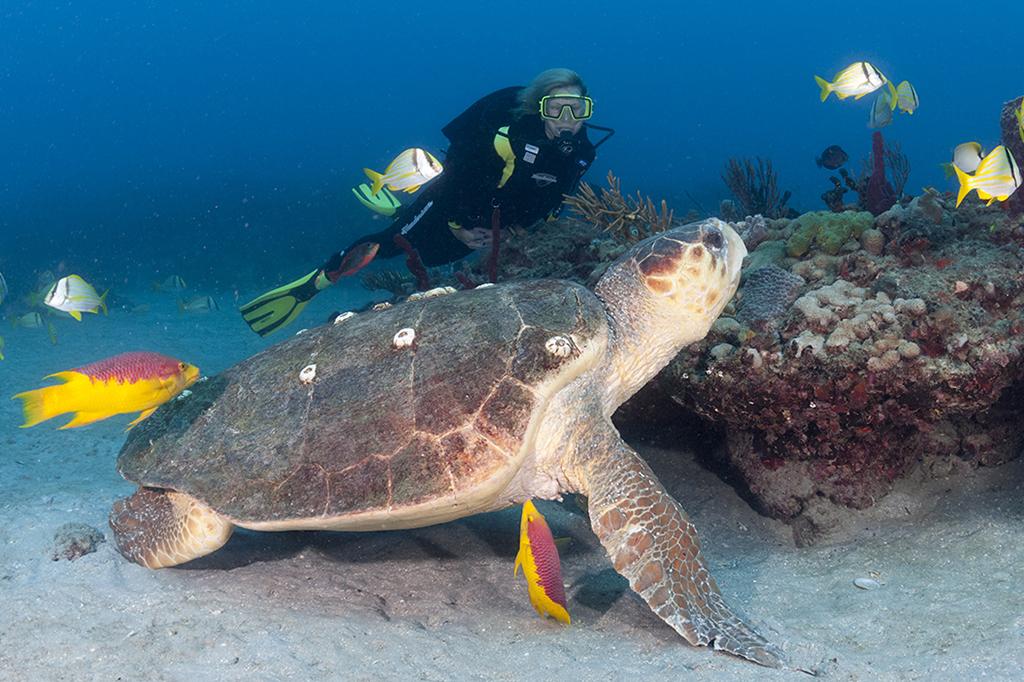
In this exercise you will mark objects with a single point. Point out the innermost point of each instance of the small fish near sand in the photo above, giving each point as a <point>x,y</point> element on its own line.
<point>172,283</point>
<point>542,569</point>
<point>856,80</point>
<point>74,296</point>
<point>3,288</point>
<point>832,157</point>
<point>997,177</point>
<point>122,384</point>
<point>197,304</point>
<point>1,348</point>
<point>407,172</point>
<point>31,320</point>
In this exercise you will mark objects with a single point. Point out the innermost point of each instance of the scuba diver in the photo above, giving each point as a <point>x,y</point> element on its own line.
<point>513,155</point>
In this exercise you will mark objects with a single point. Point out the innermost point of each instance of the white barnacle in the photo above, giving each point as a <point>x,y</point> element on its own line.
<point>184,394</point>
<point>404,338</point>
<point>308,374</point>
<point>344,316</point>
<point>383,305</point>
<point>431,293</point>
<point>559,346</point>
<point>301,331</point>
<point>485,285</point>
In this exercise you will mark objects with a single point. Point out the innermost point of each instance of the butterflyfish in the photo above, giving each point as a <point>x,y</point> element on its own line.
<point>967,156</point>
<point>906,97</point>
<point>538,556</point>
<point>996,178</point>
<point>881,110</point>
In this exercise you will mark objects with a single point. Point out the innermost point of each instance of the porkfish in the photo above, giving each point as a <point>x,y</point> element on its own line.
<point>539,558</point>
<point>122,384</point>
<point>406,172</point>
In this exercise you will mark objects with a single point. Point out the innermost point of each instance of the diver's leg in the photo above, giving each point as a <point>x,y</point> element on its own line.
<point>352,258</point>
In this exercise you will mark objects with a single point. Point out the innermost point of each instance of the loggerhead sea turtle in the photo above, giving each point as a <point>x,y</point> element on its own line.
<point>444,407</point>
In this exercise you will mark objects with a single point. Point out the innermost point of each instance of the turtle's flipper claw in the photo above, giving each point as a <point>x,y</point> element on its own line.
<point>739,639</point>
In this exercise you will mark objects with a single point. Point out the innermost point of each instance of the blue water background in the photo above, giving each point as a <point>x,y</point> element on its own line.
<point>219,140</point>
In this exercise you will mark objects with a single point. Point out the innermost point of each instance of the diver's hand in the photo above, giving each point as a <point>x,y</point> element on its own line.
<point>474,238</point>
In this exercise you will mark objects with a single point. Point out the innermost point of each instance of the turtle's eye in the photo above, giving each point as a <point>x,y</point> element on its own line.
<point>713,238</point>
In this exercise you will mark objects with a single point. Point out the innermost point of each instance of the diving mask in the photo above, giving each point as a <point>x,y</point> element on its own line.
<point>553,107</point>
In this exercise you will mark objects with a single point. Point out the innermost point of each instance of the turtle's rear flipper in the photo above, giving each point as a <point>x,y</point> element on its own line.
<point>653,544</point>
<point>160,528</point>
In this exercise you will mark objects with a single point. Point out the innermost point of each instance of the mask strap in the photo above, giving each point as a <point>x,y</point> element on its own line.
<point>609,132</point>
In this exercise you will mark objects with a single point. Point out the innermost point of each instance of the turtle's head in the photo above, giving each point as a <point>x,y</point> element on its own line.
<point>664,294</point>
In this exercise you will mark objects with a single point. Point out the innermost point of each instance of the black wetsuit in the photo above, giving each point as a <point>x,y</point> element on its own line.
<point>468,190</point>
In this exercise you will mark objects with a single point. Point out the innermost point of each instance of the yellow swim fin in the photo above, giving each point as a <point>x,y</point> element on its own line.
<point>383,202</point>
<point>275,309</point>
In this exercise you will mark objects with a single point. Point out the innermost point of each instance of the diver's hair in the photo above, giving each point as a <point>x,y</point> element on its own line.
<point>528,99</point>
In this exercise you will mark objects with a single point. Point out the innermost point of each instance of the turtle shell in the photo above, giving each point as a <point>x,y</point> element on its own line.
<point>386,435</point>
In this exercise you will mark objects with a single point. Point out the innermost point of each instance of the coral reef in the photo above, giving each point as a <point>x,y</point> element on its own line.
<point>768,293</point>
<point>829,231</point>
<point>1013,140</point>
<point>756,187</point>
<point>629,219</point>
<point>903,349</point>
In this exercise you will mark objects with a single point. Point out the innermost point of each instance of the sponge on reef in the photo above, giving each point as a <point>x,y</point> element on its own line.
<point>826,229</point>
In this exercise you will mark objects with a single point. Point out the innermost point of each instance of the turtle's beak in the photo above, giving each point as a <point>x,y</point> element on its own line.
<point>727,246</point>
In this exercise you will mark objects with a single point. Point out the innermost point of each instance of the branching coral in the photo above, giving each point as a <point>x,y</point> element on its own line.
<point>402,282</point>
<point>898,165</point>
<point>629,219</point>
<point>757,188</point>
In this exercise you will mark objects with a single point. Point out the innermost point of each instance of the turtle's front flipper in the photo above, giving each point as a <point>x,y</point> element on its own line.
<point>160,528</point>
<point>652,542</point>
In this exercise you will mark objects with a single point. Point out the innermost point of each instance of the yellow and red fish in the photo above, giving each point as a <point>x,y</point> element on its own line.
<point>538,556</point>
<point>122,384</point>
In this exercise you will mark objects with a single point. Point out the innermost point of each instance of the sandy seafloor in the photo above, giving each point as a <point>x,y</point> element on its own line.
<point>441,603</point>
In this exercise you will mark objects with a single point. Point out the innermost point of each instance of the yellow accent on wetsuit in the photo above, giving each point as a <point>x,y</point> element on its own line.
<point>504,149</point>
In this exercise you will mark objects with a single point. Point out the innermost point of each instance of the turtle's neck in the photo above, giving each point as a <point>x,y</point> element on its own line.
<point>642,338</point>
